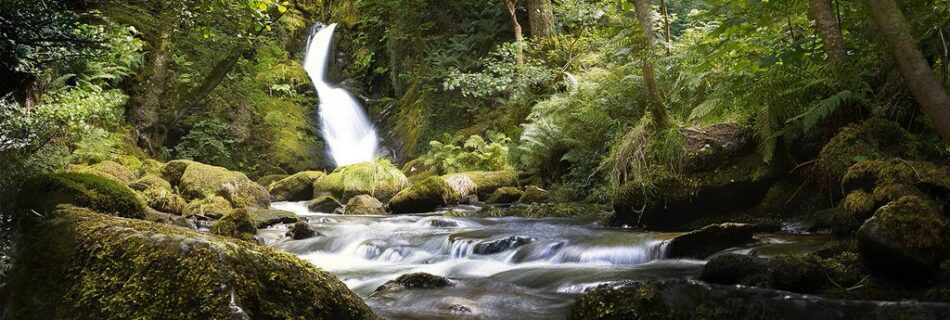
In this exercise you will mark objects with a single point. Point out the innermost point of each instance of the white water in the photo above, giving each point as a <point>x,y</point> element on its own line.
<point>349,135</point>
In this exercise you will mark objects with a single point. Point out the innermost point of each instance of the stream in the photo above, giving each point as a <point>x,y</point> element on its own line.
<point>501,268</point>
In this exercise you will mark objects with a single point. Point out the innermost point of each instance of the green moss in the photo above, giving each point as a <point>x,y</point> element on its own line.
<point>324,203</point>
<point>802,273</point>
<point>172,170</point>
<point>298,187</point>
<point>266,181</point>
<point>84,265</point>
<point>211,206</point>
<point>199,180</point>
<point>916,223</point>
<point>533,194</point>
<point>504,195</point>
<point>859,203</point>
<point>872,139</point>
<point>150,166</point>
<point>150,181</point>
<point>424,196</point>
<point>264,218</point>
<point>486,182</point>
<point>379,179</point>
<point>238,224</point>
<point>111,170</point>
<point>364,205</point>
<point>44,193</point>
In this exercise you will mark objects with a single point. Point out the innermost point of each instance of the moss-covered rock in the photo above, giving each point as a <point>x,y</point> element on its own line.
<point>801,273</point>
<point>264,218</point>
<point>106,195</point>
<point>533,194</point>
<point>199,180</point>
<point>419,280</point>
<point>238,224</point>
<point>730,268</point>
<point>905,240</point>
<point>111,170</point>
<point>485,182</point>
<point>424,196</point>
<point>150,166</point>
<point>158,194</point>
<point>324,203</point>
<point>872,139</point>
<point>298,187</point>
<point>171,171</point>
<point>149,181</point>
<point>266,181</point>
<point>364,205</point>
<point>84,265</point>
<point>704,242</point>
<point>504,195</point>
<point>212,207</point>
<point>379,179</point>
<point>301,230</point>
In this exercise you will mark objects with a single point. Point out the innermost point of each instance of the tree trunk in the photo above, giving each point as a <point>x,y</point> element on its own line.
<point>541,16</point>
<point>151,98</point>
<point>661,118</point>
<point>916,71</point>
<point>828,30</point>
<point>666,23</point>
<point>516,26</point>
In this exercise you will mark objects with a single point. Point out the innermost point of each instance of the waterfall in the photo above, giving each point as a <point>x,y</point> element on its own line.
<point>347,131</point>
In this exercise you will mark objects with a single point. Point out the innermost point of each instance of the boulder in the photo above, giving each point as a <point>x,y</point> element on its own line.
<point>417,280</point>
<point>905,240</point>
<point>704,242</point>
<point>298,187</point>
<point>213,207</point>
<point>801,273</point>
<point>872,139</point>
<point>379,179</point>
<point>485,182</point>
<point>83,265</point>
<point>424,196</point>
<point>534,194</point>
<point>237,224</point>
<point>324,203</point>
<point>199,180</point>
<point>265,181</point>
<point>504,195</point>
<point>301,230</point>
<point>43,193</point>
<point>721,174</point>
<point>159,195</point>
<point>734,268</point>
<point>171,171</point>
<point>111,170</point>
<point>364,205</point>
<point>688,299</point>
<point>264,218</point>
<point>499,245</point>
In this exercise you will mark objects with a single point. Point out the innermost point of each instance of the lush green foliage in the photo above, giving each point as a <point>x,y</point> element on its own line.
<point>474,154</point>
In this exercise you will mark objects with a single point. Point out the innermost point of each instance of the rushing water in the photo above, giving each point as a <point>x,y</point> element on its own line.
<point>349,135</point>
<point>556,261</point>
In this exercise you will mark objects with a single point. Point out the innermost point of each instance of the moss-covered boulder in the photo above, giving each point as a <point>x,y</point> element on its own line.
<point>731,268</point>
<point>424,196</point>
<point>801,273</point>
<point>485,182</point>
<point>324,203</point>
<point>112,170</point>
<point>171,171</point>
<point>687,299</point>
<point>237,224</point>
<point>264,218</point>
<point>905,240</point>
<point>200,179</point>
<point>504,195</point>
<point>82,265</point>
<point>266,181</point>
<point>158,194</point>
<point>106,195</point>
<point>212,207</point>
<point>717,171</point>
<point>364,205</point>
<point>298,187</point>
<point>872,139</point>
<point>301,230</point>
<point>379,179</point>
<point>704,242</point>
<point>533,194</point>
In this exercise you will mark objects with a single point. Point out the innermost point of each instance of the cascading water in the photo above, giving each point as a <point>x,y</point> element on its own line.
<point>349,135</point>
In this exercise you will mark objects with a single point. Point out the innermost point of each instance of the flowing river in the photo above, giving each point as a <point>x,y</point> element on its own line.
<point>501,268</point>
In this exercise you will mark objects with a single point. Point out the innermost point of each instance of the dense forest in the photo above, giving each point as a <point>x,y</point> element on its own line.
<point>173,159</point>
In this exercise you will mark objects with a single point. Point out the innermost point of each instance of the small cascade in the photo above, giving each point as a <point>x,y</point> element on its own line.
<point>347,131</point>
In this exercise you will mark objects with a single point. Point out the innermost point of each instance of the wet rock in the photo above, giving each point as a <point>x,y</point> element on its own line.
<point>159,195</point>
<point>298,187</point>
<point>379,179</point>
<point>264,218</point>
<point>733,268</point>
<point>704,242</point>
<point>237,224</point>
<point>212,207</point>
<point>801,273</point>
<point>424,196</point>
<point>199,180</point>
<point>364,205</point>
<point>324,203</point>
<point>78,264</point>
<point>496,246</point>
<point>417,280</point>
<point>301,230</point>
<point>442,223</point>
<point>43,193</point>
<point>534,194</point>
<point>460,310</point>
<point>169,219</point>
<point>905,240</point>
<point>504,195</point>
<point>687,299</point>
